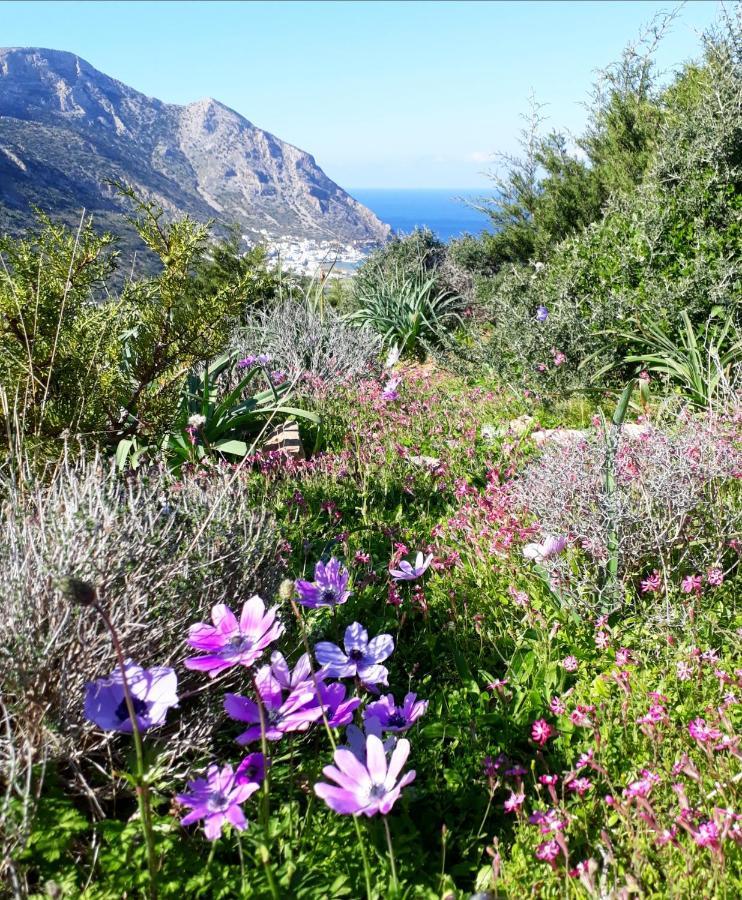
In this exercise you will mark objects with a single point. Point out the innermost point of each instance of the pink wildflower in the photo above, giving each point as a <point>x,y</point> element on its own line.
<point>579,785</point>
<point>514,801</point>
<point>715,577</point>
<point>570,664</point>
<point>691,584</point>
<point>541,731</point>
<point>651,583</point>
<point>557,707</point>
<point>702,732</point>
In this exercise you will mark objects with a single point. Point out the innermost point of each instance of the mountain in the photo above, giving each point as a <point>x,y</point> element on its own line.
<point>67,129</point>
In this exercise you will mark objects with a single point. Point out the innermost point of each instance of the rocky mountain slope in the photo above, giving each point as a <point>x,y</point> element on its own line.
<point>67,129</point>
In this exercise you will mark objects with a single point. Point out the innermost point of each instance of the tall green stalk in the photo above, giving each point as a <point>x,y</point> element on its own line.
<point>613,437</point>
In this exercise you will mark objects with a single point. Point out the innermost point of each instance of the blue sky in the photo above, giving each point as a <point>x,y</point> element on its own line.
<point>384,94</point>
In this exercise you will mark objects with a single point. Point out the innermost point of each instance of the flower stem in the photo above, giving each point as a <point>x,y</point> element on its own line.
<point>395,881</point>
<point>265,810</point>
<point>142,788</point>
<point>359,835</point>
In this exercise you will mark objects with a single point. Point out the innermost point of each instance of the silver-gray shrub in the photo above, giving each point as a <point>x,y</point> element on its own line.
<point>161,553</point>
<point>306,337</point>
<point>676,503</point>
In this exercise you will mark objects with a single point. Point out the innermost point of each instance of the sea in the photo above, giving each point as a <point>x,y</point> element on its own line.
<point>443,210</point>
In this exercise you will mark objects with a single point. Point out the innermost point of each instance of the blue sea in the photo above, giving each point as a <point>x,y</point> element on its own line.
<point>442,210</point>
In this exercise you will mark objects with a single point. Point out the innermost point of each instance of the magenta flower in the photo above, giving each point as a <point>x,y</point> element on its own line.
<point>361,657</point>
<point>296,713</point>
<point>702,732</point>
<point>556,705</point>
<point>570,663</point>
<point>715,577</point>
<point>217,800</point>
<point>371,788</point>
<point>548,851</point>
<point>548,780</point>
<point>691,584</point>
<point>231,643</point>
<point>684,671</point>
<point>579,785</point>
<point>153,692</point>
<point>541,731</point>
<point>408,572</point>
<point>514,801</point>
<point>393,717</point>
<point>552,545</point>
<point>329,588</point>
<point>651,583</point>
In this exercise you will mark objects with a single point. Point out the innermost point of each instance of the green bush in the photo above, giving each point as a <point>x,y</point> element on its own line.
<point>77,360</point>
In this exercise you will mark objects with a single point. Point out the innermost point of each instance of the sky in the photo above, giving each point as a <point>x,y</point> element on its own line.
<point>383,94</point>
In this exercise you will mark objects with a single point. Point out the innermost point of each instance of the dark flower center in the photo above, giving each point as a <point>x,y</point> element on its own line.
<point>377,791</point>
<point>238,644</point>
<point>217,802</point>
<point>397,720</point>
<point>355,654</point>
<point>141,708</point>
<point>329,595</point>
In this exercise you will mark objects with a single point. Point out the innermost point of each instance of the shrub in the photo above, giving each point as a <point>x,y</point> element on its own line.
<point>304,338</point>
<point>674,507</point>
<point>74,359</point>
<point>160,551</point>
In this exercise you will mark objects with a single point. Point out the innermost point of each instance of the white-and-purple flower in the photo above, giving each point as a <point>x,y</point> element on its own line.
<point>408,572</point>
<point>329,588</point>
<point>371,788</point>
<point>153,692</point>
<point>361,656</point>
<point>229,642</point>
<point>393,717</point>
<point>217,800</point>
<point>552,545</point>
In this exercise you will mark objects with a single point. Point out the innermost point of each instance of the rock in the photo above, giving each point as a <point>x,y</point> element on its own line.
<point>286,438</point>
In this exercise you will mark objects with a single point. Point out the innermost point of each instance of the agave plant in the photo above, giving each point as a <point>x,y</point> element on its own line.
<point>698,362</point>
<point>212,423</point>
<point>407,310</point>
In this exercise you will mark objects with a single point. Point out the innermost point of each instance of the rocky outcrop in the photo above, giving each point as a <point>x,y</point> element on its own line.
<point>67,130</point>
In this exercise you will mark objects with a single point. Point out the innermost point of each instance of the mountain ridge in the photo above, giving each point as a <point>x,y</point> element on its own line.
<point>66,129</point>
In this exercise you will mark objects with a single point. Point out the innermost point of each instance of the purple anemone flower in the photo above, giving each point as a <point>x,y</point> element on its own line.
<point>338,710</point>
<point>542,314</point>
<point>231,643</point>
<point>295,713</point>
<point>356,738</point>
<point>153,692</point>
<point>301,675</point>
<point>251,769</point>
<point>552,546</point>
<point>408,572</point>
<point>393,717</point>
<point>361,657</point>
<point>329,588</point>
<point>216,799</point>
<point>247,363</point>
<point>369,789</point>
